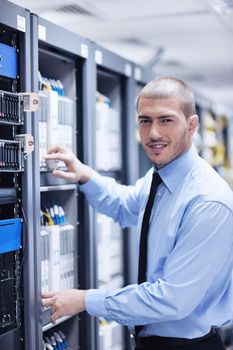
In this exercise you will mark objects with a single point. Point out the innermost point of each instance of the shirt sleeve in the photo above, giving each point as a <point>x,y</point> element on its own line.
<point>113,199</point>
<point>202,250</point>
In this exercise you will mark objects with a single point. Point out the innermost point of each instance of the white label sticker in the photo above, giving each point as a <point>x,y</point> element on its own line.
<point>42,32</point>
<point>138,74</point>
<point>21,23</point>
<point>84,50</point>
<point>128,70</point>
<point>98,57</point>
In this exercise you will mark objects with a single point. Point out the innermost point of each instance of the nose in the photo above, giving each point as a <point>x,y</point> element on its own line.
<point>154,131</point>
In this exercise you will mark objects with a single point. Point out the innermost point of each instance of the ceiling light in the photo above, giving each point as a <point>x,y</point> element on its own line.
<point>222,6</point>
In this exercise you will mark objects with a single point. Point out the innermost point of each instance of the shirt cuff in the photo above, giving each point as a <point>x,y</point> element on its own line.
<point>95,303</point>
<point>93,185</point>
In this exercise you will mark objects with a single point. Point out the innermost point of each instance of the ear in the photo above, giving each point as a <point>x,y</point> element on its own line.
<point>193,122</point>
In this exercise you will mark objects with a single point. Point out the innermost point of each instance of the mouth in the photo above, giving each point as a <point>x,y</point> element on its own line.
<point>156,147</point>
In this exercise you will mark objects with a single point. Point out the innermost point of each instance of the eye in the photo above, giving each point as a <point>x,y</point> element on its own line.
<point>144,121</point>
<point>165,120</point>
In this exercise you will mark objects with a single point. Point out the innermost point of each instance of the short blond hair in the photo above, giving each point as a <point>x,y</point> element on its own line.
<point>168,87</point>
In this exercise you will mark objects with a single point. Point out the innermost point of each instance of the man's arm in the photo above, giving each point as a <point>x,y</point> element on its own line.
<point>203,249</point>
<point>103,193</point>
<point>120,202</point>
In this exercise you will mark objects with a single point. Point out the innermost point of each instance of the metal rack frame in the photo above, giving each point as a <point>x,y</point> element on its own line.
<point>17,19</point>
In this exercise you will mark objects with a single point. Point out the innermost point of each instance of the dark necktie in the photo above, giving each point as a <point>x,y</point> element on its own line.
<point>142,266</point>
<point>156,180</point>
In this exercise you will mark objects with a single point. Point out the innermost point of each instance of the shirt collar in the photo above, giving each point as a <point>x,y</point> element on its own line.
<point>173,173</point>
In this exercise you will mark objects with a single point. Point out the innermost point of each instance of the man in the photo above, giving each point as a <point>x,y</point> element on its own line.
<point>185,256</point>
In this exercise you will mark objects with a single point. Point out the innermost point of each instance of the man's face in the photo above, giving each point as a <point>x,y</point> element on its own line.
<point>164,130</point>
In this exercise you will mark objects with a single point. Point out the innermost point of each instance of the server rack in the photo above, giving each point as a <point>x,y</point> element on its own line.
<point>112,121</point>
<point>61,56</point>
<point>213,139</point>
<point>16,258</point>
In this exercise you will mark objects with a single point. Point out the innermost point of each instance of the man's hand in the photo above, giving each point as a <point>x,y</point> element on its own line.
<point>66,303</point>
<point>76,170</point>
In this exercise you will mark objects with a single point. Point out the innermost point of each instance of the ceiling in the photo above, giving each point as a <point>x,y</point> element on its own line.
<point>189,39</point>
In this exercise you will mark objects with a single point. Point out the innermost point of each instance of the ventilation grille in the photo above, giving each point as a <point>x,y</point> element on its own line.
<point>74,9</point>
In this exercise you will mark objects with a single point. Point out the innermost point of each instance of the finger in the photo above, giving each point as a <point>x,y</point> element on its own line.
<point>64,175</point>
<point>53,310</point>
<point>65,157</point>
<point>47,302</point>
<point>56,148</point>
<point>48,295</point>
<point>55,316</point>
